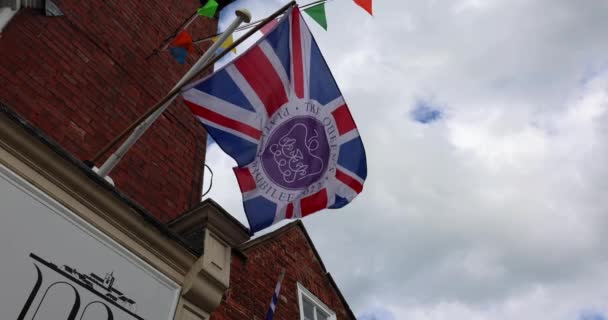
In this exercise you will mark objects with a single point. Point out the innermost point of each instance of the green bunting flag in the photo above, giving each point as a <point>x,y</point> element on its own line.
<point>317,13</point>
<point>208,10</point>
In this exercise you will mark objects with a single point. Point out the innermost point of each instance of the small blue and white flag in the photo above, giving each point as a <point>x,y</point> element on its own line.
<point>275,297</point>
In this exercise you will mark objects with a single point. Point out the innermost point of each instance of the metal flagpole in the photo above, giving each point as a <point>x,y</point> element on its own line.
<point>173,93</point>
<point>112,161</point>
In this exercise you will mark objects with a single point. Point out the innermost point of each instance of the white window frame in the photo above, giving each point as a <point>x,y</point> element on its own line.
<point>303,292</point>
<point>7,13</point>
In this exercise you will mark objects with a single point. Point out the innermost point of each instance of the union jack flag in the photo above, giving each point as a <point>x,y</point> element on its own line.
<point>275,297</point>
<point>278,111</point>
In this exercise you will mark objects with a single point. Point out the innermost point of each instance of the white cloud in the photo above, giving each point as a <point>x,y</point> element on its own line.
<point>499,210</point>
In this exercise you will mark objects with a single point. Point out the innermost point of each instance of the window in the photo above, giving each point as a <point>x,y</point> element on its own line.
<point>311,308</point>
<point>8,8</point>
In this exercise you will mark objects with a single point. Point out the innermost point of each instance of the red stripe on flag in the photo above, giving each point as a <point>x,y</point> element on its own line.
<point>266,29</point>
<point>224,121</point>
<point>343,119</point>
<point>245,179</point>
<point>296,48</point>
<point>289,211</point>
<point>349,181</point>
<point>263,78</point>
<point>314,203</point>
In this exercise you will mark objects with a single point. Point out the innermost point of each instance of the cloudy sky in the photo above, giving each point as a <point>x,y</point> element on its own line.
<point>486,129</point>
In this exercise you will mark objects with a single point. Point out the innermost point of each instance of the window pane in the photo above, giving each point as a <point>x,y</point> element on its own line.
<point>322,315</point>
<point>309,312</point>
<point>9,4</point>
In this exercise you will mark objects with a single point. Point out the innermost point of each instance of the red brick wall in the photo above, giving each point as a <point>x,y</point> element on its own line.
<point>84,77</point>
<point>252,280</point>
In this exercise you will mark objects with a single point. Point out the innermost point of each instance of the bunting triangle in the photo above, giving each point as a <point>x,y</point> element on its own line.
<point>317,13</point>
<point>365,4</point>
<point>208,10</point>
<point>179,54</point>
<point>180,46</point>
<point>184,40</point>
<point>226,43</point>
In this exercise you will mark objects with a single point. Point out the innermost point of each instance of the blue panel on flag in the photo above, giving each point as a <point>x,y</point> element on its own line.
<point>323,87</point>
<point>279,41</point>
<point>222,86</point>
<point>350,157</point>
<point>263,212</point>
<point>339,203</point>
<point>239,149</point>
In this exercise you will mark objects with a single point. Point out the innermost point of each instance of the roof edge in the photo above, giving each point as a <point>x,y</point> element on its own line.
<point>269,236</point>
<point>335,285</point>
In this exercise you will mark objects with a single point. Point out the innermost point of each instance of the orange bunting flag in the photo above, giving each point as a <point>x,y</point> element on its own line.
<point>183,40</point>
<point>181,46</point>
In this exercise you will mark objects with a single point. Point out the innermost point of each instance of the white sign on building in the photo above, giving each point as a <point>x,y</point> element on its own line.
<point>56,266</point>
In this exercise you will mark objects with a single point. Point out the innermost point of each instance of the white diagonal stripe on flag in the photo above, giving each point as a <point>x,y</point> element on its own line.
<point>276,64</point>
<point>223,107</point>
<point>348,137</point>
<point>247,90</point>
<point>229,130</point>
<point>306,47</point>
<point>335,104</point>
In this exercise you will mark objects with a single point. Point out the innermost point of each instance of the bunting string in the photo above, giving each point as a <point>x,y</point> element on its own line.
<point>165,44</point>
<point>253,24</point>
<point>315,10</point>
<point>208,10</point>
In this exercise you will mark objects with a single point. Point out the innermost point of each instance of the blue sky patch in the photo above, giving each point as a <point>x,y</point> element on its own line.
<point>592,72</point>
<point>424,112</point>
<point>591,315</point>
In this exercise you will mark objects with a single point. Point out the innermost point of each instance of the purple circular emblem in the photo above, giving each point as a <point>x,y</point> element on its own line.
<point>296,154</point>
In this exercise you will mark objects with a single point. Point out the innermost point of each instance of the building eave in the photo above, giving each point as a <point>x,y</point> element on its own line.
<point>209,215</point>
